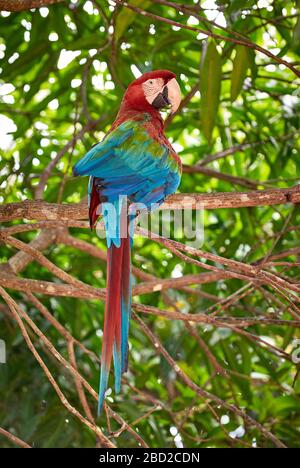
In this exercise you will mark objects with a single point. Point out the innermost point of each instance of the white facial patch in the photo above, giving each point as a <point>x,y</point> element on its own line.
<point>152,88</point>
<point>174,94</point>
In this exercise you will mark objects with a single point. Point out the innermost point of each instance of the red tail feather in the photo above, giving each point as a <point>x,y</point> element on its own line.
<point>118,307</point>
<point>93,206</point>
<point>112,319</point>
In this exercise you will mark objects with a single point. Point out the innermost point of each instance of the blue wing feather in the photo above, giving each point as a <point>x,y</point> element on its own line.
<point>129,162</point>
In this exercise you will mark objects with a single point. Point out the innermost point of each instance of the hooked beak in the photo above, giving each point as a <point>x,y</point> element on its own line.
<point>169,97</point>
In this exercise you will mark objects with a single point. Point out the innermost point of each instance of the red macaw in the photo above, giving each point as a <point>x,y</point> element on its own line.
<point>134,164</point>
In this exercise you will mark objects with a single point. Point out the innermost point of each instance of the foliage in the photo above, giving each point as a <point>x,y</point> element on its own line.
<point>63,73</point>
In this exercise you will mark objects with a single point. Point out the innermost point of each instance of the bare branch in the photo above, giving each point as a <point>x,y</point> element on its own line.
<point>203,393</point>
<point>91,125</point>
<point>13,308</point>
<point>41,211</point>
<point>14,439</point>
<point>234,40</point>
<point>21,5</point>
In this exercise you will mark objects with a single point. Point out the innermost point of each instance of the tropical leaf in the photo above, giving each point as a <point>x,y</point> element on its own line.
<point>210,88</point>
<point>241,64</point>
<point>126,17</point>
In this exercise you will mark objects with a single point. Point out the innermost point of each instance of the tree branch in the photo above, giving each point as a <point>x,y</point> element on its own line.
<point>21,5</point>
<point>91,125</point>
<point>203,393</point>
<point>38,210</point>
<point>212,173</point>
<point>244,42</point>
<point>18,318</point>
<point>13,438</point>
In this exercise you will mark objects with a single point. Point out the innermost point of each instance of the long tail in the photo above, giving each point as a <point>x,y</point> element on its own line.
<point>118,301</point>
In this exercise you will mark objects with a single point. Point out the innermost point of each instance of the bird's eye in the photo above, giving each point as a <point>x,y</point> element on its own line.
<point>151,82</point>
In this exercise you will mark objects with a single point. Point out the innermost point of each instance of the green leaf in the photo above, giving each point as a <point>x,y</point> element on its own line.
<point>24,62</point>
<point>126,17</point>
<point>252,64</point>
<point>236,5</point>
<point>210,88</point>
<point>92,41</point>
<point>242,61</point>
<point>296,36</point>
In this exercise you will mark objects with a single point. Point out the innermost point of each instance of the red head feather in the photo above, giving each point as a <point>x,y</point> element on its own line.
<point>166,75</point>
<point>134,98</point>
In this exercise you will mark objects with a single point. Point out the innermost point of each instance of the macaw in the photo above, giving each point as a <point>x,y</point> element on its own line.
<point>134,164</point>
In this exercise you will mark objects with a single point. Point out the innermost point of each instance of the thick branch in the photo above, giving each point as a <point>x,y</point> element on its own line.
<point>21,5</point>
<point>39,210</point>
<point>68,290</point>
<point>20,260</point>
<point>55,289</point>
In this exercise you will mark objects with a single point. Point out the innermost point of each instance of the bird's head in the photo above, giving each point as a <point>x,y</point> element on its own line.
<point>153,91</point>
